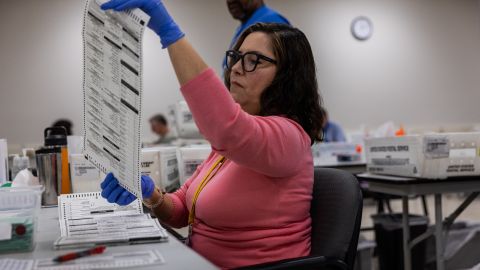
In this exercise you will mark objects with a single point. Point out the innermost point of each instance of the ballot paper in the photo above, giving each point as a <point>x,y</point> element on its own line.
<point>14,264</point>
<point>112,86</point>
<point>87,219</point>
<point>107,260</point>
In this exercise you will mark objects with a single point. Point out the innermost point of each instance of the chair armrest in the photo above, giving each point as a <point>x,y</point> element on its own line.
<point>302,263</point>
<point>175,234</point>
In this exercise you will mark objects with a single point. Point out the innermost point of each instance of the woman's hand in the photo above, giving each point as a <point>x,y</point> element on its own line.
<point>160,21</point>
<point>114,193</point>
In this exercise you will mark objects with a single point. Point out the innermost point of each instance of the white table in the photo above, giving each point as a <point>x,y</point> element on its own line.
<point>176,254</point>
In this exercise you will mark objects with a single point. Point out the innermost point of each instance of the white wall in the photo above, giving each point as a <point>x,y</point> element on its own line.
<point>41,56</point>
<point>421,66</point>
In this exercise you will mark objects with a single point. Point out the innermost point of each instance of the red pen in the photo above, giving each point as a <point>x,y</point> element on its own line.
<point>79,254</point>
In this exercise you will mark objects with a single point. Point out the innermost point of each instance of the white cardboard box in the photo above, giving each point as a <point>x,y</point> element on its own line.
<point>84,175</point>
<point>186,127</point>
<point>189,158</point>
<point>160,163</point>
<point>432,156</point>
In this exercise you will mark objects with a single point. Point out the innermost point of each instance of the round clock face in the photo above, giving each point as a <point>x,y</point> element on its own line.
<point>362,28</point>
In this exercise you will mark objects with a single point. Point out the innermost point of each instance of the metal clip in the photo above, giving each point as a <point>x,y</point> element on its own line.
<point>190,231</point>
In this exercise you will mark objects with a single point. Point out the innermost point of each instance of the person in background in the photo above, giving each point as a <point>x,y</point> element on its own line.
<point>249,201</point>
<point>159,126</point>
<point>332,132</point>
<point>249,12</point>
<point>67,124</point>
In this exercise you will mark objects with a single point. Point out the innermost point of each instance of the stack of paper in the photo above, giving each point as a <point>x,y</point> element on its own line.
<point>87,219</point>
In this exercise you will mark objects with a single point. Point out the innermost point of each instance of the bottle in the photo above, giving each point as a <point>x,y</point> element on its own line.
<point>30,153</point>
<point>19,163</point>
<point>15,166</point>
<point>52,165</point>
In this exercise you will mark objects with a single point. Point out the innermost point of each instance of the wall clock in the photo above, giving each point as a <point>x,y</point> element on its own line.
<point>362,28</point>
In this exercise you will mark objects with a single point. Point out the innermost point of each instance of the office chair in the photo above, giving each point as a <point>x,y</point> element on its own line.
<point>336,213</point>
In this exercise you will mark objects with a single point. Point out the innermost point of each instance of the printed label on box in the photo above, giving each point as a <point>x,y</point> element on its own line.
<point>191,166</point>
<point>436,147</point>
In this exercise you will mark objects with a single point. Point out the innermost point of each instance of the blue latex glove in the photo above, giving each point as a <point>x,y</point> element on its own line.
<point>114,193</point>
<point>160,21</point>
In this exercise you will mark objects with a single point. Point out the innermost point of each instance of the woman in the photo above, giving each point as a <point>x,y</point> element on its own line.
<point>249,201</point>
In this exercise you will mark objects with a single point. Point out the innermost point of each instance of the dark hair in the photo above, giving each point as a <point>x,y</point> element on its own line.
<point>160,119</point>
<point>325,113</point>
<point>67,124</point>
<point>294,90</point>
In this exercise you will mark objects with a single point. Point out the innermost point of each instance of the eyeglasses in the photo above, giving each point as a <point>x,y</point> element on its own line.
<point>250,60</point>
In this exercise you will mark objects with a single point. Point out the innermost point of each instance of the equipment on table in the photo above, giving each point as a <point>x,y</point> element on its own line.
<point>52,165</point>
<point>433,156</point>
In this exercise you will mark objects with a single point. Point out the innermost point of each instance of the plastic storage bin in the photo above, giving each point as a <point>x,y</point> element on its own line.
<point>19,208</point>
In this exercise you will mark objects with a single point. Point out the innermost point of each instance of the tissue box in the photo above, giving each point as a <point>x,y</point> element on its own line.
<point>160,163</point>
<point>19,208</point>
<point>432,156</point>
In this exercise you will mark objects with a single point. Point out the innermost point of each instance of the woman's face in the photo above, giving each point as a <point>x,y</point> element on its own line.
<point>247,87</point>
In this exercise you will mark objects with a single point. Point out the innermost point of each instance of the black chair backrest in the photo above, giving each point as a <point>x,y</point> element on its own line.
<point>336,213</point>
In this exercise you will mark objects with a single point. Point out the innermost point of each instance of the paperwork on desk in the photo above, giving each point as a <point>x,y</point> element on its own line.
<point>13,264</point>
<point>112,86</point>
<point>87,219</point>
<point>104,261</point>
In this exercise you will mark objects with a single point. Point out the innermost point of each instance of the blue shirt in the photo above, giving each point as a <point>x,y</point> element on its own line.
<point>333,133</point>
<point>263,14</point>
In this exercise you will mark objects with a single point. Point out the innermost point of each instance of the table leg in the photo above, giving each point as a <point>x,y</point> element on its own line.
<point>439,232</point>
<point>424,204</point>
<point>380,208</point>
<point>407,260</point>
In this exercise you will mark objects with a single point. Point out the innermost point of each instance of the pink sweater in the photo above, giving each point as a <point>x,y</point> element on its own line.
<point>256,208</point>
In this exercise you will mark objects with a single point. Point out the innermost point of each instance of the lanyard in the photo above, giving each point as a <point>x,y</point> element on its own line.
<point>219,163</point>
